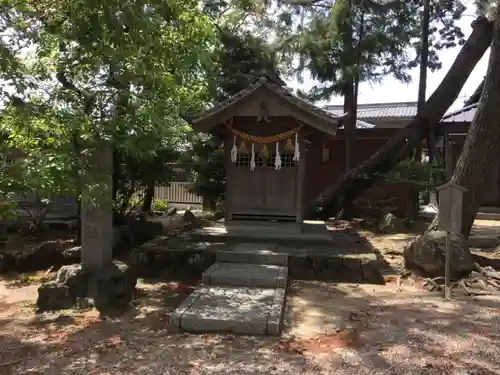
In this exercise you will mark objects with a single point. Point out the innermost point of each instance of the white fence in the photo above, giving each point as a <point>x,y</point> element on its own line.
<point>177,192</point>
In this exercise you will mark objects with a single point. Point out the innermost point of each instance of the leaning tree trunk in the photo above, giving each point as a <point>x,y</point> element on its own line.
<point>400,147</point>
<point>481,150</point>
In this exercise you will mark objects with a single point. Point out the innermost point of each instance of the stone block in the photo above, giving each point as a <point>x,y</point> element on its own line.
<point>54,296</point>
<point>226,309</point>
<point>206,276</point>
<point>253,253</point>
<point>175,318</point>
<point>275,316</point>
<point>250,275</point>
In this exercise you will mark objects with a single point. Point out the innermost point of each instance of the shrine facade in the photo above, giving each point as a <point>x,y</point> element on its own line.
<point>267,132</point>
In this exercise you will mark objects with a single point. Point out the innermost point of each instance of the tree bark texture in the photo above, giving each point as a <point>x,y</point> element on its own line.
<point>350,106</point>
<point>481,150</point>
<point>401,146</point>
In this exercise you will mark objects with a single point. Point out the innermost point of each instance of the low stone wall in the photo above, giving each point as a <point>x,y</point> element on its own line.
<point>193,260</point>
<point>352,269</point>
<point>183,264</point>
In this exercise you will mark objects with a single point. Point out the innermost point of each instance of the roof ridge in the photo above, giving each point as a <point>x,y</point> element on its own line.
<point>374,104</point>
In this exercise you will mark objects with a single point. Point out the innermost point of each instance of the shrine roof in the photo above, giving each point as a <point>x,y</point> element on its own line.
<point>312,115</point>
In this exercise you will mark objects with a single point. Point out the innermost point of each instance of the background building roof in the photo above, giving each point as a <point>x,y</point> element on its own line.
<point>403,110</point>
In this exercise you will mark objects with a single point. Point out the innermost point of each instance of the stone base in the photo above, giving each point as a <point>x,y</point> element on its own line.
<point>252,311</point>
<point>362,269</point>
<point>110,288</point>
<point>310,232</point>
<point>186,263</point>
<point>253,253</point>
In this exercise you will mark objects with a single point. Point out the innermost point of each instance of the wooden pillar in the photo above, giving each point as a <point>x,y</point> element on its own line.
<point>97,210</point>
<point>300,183</point>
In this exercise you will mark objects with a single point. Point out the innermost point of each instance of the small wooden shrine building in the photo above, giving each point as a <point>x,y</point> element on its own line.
<point>267,132</point>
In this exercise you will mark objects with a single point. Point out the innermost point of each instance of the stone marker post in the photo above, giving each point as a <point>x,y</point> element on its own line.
<point>96,211</point>
<point>450,220</point>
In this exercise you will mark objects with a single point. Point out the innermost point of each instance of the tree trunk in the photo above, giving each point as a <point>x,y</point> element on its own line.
<point>117,171</point>
<point>351,96</point>
<point>400,147</point>
<point>481,151</point>
<point>148,197</point>
<point>414,201</point>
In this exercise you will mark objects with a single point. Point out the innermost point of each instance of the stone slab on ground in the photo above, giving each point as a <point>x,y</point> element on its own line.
<point>484,241</point>
<point>243,310</point>
<point>253,253</point>
<point>251,275</point>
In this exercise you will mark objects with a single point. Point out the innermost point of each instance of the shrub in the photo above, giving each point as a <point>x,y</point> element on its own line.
<point>160,204</point>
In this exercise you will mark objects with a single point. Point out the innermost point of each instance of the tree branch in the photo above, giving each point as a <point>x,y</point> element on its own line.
<point>88,100</point>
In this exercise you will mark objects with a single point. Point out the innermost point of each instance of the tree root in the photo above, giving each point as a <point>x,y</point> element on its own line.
<point>482,280</point>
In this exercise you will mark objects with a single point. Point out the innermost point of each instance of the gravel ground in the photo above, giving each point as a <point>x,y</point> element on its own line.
<point>341,329</point>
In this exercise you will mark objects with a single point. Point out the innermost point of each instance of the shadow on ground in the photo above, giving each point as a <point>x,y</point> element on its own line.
<point>330,328</point>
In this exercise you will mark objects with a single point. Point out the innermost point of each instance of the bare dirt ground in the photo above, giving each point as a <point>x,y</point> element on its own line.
<point>330,329</point>
<point>341,329</point>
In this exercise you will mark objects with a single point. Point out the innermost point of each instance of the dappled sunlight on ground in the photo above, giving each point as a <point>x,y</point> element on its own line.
<point>345,328</point>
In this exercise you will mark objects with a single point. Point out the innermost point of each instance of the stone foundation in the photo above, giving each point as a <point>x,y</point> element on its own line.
<point>191,263</point>
<point>352,269</point>
<point>110,288</point>
<point>184,264</point>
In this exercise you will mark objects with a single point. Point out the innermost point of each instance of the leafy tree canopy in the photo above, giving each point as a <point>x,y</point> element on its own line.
<point>82,71</point>
<point>336,41</point>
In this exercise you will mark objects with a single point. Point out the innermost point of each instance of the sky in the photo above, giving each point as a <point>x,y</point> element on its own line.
<point>391,90</point>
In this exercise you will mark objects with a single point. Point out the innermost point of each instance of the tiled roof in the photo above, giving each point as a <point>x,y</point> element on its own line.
<point>282,92</point>
<point>362,125</point>
<point>380,110</point>
<point>465,114</point>
<point>476,95</point>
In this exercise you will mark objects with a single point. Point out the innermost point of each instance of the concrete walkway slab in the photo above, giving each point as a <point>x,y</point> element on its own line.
<point>251,275</point>
<point>243,310</point>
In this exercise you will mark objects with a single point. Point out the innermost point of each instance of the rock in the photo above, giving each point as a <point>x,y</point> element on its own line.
<point>190,218</point>
<point>72,255</point>
<point>171,211</point>
<point>111,287</point>
<point>122,239</point>
<point>371,272</point>
<point>115,286</point>
<point>73,277</point>
<point>390,224</point>
<point>7,262</point>
<point>170,223</point>
<point>142,230</point>
<point>54,296</point>
<point>45,255</point>
<point>426,255</point>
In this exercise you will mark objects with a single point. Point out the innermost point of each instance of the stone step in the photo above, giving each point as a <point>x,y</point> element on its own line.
<point>282,233</point>
<point>249,275</point>
<point>242,310</point>
<point>253,253</point>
